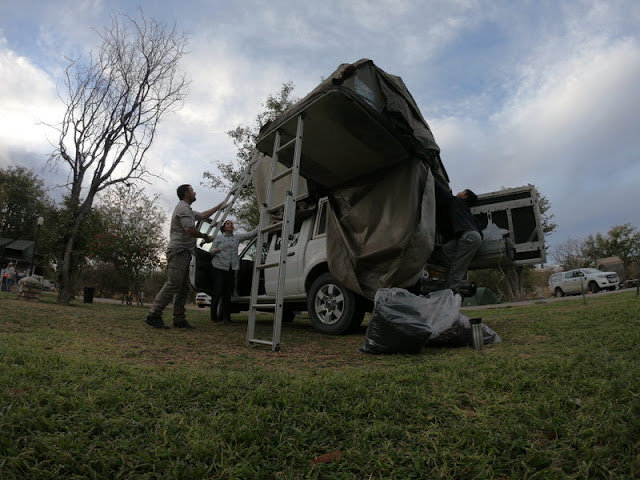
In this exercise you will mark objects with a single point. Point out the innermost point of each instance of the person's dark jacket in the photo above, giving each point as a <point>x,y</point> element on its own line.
<point>453,216</point>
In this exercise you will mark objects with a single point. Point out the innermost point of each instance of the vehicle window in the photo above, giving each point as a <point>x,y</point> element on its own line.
<point>250,252</point>
<point>320,227</point>
<point>568,275</point>
<point>204,226</point>
<point>294,240</point>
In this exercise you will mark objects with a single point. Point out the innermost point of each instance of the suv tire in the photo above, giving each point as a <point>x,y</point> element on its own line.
<point>333,309</point>
<point>559,293</point>
<point>594,287</point>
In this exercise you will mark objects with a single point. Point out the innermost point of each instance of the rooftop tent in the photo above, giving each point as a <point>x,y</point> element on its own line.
<point>366,146</point>
<point>358,121</point>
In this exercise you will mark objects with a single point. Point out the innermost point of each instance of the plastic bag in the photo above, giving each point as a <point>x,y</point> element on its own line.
<point>458,334</point>
<point>402,322</point>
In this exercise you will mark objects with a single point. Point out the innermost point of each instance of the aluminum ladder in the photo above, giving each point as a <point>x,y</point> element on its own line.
<point>285,226</point>
<point>232,195</point>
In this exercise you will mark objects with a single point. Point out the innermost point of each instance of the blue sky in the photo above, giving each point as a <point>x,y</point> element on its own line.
<point>521,92</point>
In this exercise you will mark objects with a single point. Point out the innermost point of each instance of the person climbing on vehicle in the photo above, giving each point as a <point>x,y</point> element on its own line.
<point>460,230</point>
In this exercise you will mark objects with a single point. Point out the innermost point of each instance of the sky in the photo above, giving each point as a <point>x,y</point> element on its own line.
<point>521,92</point>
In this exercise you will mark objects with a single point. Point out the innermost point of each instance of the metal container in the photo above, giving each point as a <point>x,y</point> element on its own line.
<point>476,333</point>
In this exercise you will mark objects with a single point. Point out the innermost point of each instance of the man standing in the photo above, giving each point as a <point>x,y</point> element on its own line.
<point>182,242</point>
<point>461,232</point>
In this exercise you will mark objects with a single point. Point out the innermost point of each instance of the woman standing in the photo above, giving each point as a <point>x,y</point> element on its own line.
<point>225,263</point>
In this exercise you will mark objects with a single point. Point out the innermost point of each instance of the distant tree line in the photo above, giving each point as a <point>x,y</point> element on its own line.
<point>621,241</point>
<point>119,247</point>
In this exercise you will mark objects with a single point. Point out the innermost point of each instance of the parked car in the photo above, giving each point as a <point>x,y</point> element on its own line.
<point>203,300</point>
<point>574,282</point>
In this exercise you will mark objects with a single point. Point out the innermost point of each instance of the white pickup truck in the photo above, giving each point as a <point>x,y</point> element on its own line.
<point>334,309</point>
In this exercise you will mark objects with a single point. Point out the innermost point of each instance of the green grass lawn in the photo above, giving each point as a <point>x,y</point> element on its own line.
<point>91,392</point>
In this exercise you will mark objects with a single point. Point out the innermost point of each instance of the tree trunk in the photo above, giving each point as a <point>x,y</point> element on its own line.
<point>68,273</point>
<point>514,283</point>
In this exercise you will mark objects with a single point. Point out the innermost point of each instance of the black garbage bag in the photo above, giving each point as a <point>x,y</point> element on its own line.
<point>402,322</point>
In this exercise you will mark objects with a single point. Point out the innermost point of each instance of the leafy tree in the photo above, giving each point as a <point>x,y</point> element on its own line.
<point>114,104</point>
<point>55,233</point>
<point>244,138</point>
<point>622,241</point>
<point>23,198</point>
<point>131,239</point>
<point>548,226</point>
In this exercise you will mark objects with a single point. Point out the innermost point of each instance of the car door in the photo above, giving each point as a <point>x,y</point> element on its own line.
<point>573,281</point>
<point>568,284</point>
<point>200,268</point>
<point>244,276</point>
<point>295,254</point>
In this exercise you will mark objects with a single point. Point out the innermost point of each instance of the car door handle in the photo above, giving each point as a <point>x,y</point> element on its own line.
<point>290,254</point>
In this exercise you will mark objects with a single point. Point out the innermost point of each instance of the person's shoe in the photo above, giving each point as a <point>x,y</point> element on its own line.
<point>155,322</point>
<point>184,324</point>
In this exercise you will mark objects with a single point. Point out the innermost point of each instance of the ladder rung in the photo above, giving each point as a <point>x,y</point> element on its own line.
<point>271,228</point>
<point>264,305</point>
<point>276,208</point>
<point>262,342</point>
<point>282,174</point>
<point>286,145</point>
<point>267,265</point>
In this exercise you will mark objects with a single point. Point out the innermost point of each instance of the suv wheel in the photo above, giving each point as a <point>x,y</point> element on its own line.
<point>332,307</point>
<point>559,293</point>
<point>594,287</point>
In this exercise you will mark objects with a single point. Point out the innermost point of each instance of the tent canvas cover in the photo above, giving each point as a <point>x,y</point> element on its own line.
<point>366,146</point>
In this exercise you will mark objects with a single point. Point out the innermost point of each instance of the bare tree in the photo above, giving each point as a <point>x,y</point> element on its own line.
<point>571,254</point>
<point>114,104</point>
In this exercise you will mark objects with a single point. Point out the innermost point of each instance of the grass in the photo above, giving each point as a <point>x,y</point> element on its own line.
<point>89,391</point>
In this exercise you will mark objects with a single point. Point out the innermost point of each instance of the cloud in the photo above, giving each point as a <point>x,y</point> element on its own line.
<point>568,126</point>
<point>27,98</point>
<point>520,93</point>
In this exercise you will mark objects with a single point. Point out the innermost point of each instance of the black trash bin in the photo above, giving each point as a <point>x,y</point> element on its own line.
<point>88,294</point>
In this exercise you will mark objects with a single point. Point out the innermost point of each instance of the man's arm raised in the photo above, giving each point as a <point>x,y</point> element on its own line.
<point>211,211</point>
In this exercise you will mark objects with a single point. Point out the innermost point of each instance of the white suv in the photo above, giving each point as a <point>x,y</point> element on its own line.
<point>574,282</point>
